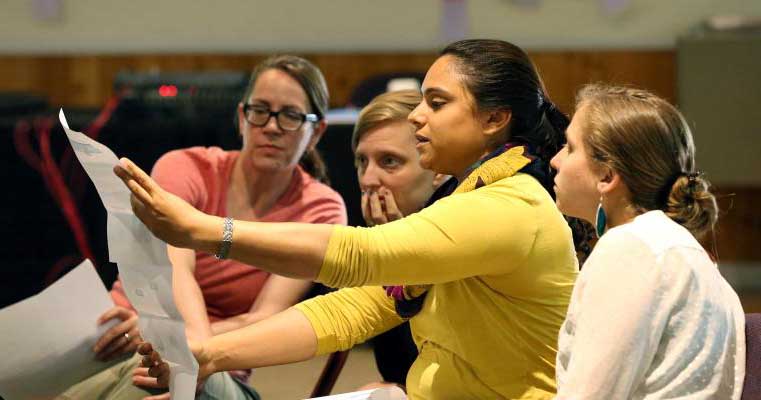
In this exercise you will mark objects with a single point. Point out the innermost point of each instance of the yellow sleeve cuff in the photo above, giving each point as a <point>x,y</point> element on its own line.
<point>349,316</point>
<point>328,262</point>
<point>326,343</point>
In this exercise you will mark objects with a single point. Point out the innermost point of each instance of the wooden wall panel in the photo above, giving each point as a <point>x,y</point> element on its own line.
<point>565,72</point>
<point>738,232</point>
<point>85,81</point>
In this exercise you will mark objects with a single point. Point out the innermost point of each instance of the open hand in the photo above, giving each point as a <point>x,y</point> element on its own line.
<point>167,216</point>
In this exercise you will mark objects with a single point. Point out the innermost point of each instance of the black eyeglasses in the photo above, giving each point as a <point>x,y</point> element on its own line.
<point>287,119</point>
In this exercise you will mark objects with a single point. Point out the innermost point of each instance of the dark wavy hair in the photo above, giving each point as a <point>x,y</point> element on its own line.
<point>500,75</point>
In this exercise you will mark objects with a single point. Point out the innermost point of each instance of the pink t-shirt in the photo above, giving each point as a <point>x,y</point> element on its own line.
<point>200,175</point>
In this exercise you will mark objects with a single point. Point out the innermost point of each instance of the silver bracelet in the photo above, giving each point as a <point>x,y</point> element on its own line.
<point>227,239</point>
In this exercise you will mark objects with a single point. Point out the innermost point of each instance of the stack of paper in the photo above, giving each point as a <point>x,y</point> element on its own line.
<point>47,339</point>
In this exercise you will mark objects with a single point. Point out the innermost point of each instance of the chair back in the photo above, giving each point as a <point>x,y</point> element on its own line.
<point>752,385</point>
<point>330,373</point>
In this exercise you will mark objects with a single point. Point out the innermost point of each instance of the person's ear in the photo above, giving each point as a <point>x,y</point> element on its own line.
<point>495,122</point>
<point>318,129</point>
<point>439,180</point>
<point>241,119</point>
<point>608,181</point>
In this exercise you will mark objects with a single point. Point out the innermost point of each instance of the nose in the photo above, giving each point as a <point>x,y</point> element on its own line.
<point>416,117</point>
<point>271,127</point>
<point>556,161</point>
<point>369,178</point>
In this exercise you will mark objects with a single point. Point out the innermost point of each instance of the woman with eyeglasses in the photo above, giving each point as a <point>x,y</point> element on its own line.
<point>275,177</point>
<point>484,274</point>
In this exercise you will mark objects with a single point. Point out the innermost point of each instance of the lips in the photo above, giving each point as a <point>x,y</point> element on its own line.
<point>421,139</point>
<point>269,146</point>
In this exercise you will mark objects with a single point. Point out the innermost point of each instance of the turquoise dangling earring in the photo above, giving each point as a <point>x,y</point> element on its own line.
<point>600,220</point>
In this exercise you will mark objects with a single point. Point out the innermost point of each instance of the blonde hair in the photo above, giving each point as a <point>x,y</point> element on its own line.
<point>387,107</point>
<point>648,143</point>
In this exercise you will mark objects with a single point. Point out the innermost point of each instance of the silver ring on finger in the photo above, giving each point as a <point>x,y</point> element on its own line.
<point>126,336</point>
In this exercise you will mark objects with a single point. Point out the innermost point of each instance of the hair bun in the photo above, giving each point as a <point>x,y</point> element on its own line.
<point>691,204</point>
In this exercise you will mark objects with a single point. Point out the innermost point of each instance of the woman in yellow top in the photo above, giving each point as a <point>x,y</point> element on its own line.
<point>487,271</point>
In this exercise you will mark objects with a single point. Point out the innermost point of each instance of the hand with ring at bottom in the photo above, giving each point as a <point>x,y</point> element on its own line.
<point>121,338</point>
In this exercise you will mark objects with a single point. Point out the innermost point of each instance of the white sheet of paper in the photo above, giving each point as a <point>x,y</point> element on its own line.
<point>393,393</point>
<point>99,161</point>
<point>143,265</point>
<point>130,242</point>
<point>47,339</point>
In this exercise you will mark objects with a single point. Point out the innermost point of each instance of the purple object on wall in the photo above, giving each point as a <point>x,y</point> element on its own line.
<point>46,10</point>
<point>612,7</point>
<point>455,24</point>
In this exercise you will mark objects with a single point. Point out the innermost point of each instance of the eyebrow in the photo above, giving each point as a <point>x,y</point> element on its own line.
<point>434,90</point>
<point>284,107</point>
<point>568,140</point>
<point>382,152</point>
<point>390,152</point>
<point>382,149</point>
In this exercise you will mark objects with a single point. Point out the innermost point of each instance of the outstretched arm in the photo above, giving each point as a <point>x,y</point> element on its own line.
<point>336,321</point>
<point>281,339</point>
<point>425,248</point>
<point>290,249</point>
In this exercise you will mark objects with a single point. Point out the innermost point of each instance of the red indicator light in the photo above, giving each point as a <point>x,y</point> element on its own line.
<point>167,91</point>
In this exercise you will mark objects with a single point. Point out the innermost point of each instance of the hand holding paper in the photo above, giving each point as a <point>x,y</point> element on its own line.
<point>143,264</point>
<point>167,216</point>
<point>46,354</point>
<point>159,369</point>
<point>122,338</point>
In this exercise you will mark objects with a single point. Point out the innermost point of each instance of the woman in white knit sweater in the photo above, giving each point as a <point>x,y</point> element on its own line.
<point>650,315</point>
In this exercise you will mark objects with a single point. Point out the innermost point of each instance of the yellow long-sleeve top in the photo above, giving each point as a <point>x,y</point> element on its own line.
<point>501,263</point>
